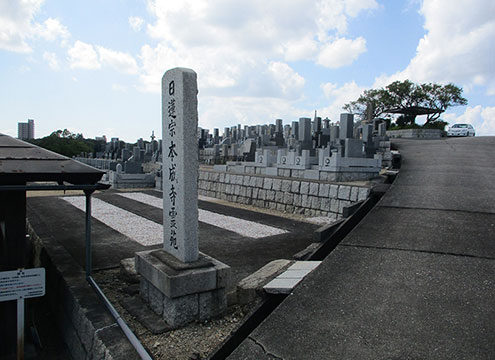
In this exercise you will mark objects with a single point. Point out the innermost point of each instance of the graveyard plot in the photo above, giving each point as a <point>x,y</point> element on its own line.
<point>58,223</point>
<point>118,221</point>
<point>122,226</point>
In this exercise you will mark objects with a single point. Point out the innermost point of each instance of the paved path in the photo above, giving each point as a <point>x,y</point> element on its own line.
<point>124,223</point>
<point>414,280</point>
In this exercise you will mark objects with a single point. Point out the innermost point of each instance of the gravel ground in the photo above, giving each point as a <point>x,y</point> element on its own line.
<point>243,227</point>
<point>195,341</point>
<point>144,231</point>
<point>314,220</point>
<point>147,232</point>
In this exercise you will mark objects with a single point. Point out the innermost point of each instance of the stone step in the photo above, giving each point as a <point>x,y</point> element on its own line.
<point>287,281</point>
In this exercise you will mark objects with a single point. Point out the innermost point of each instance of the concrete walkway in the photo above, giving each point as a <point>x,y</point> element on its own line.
<point>414,280</point>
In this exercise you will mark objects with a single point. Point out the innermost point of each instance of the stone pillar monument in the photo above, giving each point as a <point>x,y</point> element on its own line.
<point>179,282</point>
<point>180,164</point>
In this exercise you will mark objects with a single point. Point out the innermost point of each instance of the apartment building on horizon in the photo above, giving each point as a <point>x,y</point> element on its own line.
<point>25,130</point>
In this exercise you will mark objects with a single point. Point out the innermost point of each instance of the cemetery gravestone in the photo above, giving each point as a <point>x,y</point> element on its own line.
<point>334,134</point>
<point>382,129</point>
<point>346,127</point>
<point>305,133</point>
<point>180,283</point>
<point>295,130</point>
<point>353,148</point>
<point>180,164</point>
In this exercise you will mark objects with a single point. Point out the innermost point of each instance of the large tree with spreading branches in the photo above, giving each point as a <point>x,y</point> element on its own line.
<point>408,99</point>
<point>65,143</point>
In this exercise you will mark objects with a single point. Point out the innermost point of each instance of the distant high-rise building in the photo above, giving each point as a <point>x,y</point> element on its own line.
<point>25,130</point>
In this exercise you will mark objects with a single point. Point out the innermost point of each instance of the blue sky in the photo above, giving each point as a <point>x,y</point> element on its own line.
<point>94,67</point>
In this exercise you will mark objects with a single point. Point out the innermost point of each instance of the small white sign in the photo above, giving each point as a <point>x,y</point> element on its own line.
<point>22,284</point>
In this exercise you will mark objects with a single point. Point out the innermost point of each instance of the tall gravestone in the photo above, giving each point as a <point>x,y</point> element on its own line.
<point>295,130</point>
<point>368,133</point>
<point>382,129</point>
<point>346,127</point>
<point>334,134</point>
<point>305,133</point>
<point>216,136</point>
<point>180,283</point>
<point>180,164</point>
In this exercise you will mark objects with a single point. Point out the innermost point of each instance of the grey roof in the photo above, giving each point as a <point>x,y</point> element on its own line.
<point>414,110</point>
<point>22,162</point>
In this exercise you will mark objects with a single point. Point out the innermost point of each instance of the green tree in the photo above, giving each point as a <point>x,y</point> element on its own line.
<point>441,98</point>
<point>408,97</point>
<point>371,104</point>
<point>65,143</point>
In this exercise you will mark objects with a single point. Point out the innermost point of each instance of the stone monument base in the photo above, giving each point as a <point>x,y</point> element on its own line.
<point>182,292</point>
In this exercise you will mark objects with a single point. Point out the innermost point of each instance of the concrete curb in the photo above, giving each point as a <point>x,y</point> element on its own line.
<point>251,287</point>
<point>89,331</point>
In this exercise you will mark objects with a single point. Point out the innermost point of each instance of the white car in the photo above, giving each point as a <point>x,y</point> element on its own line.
<point>461,130</point>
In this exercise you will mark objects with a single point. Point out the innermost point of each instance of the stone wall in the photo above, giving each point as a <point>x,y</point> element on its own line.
<point>129,181</point>
<point>104,164</point>
<point>416,133</point>
<point>86,326</point>
<point>309,197</point>
<point>350,169</point>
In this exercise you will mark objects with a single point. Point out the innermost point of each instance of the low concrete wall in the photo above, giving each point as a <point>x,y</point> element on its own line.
<point>104,164</point>
<point>416,133</point>
<point>86,326</point>
<point>309,197</point>
<point>129,181</point>
<point>360,169</point>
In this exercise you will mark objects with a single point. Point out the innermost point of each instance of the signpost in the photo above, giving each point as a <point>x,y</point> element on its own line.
<point>19,285</point>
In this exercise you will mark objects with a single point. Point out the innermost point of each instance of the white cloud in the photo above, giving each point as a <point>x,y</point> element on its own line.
<point>18,26</point>
<point>290,82</point>
<point>222,72</point>
<point>83,56</point>
<point>87,56</point>
<point>51,59</point>
<point>233,45</point>
<point>341,52</point>
<point>339,96</point>
<point>242,51</point>
<point>347,92</point>
<point>300,49</point>
<point>52,29</point>
<point>354,7</point>
<point>118,60</point>
<point>219,69</point>
<point>155,62</point>
<point>458,45</point>
<point>136,23</point>
<point>482,118</point>
<point>333,14</point>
